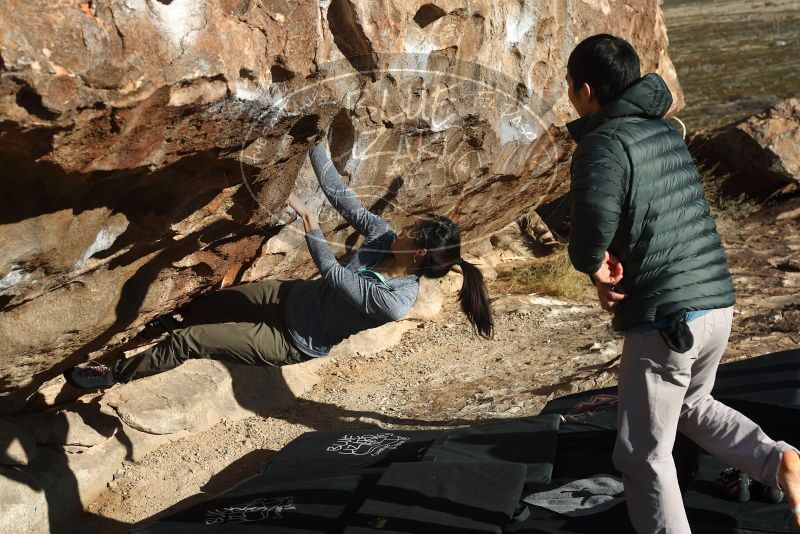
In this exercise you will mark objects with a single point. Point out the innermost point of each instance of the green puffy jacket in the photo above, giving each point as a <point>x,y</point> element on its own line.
<point>636,193</point>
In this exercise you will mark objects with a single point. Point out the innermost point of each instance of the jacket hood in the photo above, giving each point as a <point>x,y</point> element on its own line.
<point>648,97</point>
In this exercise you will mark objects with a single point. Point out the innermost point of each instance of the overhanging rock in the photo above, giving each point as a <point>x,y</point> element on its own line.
<point>148,146</point>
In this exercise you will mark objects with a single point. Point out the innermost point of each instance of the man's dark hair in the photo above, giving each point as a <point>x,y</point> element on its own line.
<point>608,64</point>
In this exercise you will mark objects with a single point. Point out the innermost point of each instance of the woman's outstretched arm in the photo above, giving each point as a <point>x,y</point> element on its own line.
<point>367,297</point>
<point>363,295</point>
<point>342,198</point>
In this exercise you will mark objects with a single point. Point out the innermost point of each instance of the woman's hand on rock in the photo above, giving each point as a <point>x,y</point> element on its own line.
<point>298,205</point>
<point>309,218</point>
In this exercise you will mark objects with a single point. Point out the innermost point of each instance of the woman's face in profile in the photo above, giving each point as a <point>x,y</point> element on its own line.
<point>404,243</point>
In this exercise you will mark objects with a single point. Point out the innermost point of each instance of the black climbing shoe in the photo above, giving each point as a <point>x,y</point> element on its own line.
<point>90,376</point>
<point>733,484</point>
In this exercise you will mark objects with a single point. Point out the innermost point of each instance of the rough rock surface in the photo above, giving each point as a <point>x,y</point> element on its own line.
<point>17,445</point>
<point>155,407</point>
<point>80,426</point>
<point>760,154</point>
<point>70,456</point>
<point>148,146</point>
<point>526,237</point>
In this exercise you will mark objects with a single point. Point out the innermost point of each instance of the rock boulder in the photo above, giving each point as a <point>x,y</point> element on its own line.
<point>148,146</point>
<point>758,155</point>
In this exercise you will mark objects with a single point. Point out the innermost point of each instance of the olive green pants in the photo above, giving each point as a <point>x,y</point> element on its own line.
<point>242,324</point>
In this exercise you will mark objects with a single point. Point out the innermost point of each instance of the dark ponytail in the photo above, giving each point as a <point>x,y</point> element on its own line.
<point>474,300</point>
<point>441,238</point>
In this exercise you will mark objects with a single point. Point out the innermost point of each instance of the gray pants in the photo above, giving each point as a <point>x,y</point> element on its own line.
<point>242,324</point>
<point>662,392</point>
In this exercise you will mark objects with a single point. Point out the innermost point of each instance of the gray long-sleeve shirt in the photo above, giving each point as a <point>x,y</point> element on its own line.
<point>322,312</point>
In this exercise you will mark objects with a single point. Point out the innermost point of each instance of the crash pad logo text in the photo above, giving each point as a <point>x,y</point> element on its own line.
<point>367,444</point>
<point>255,510</point>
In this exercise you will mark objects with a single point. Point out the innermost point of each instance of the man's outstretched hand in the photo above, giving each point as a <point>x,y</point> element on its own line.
<point>610,271</point>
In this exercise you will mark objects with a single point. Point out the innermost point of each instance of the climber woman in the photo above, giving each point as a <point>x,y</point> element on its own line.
<point>282,322</point>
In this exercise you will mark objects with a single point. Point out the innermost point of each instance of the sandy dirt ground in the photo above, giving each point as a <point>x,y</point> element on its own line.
<point>443,375</point>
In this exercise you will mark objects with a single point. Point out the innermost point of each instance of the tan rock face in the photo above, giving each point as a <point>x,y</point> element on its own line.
<point>760,154</point>
<point>148,146</point>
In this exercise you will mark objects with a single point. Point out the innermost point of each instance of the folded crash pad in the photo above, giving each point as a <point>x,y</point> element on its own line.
<point>441,498</point>
<point>315,453</point>
<point>530,441</point>
<point>259,504</point>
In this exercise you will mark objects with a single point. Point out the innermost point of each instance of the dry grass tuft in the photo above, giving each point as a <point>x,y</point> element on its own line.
<point>552,275</point>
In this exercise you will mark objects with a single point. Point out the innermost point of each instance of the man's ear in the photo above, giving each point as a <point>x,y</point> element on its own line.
<point>586,92</point>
